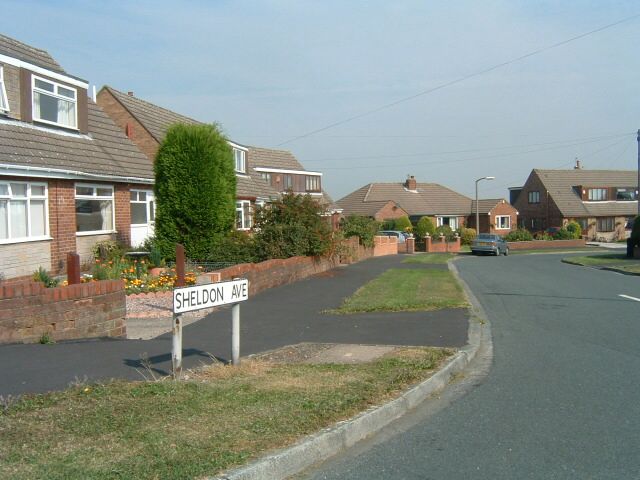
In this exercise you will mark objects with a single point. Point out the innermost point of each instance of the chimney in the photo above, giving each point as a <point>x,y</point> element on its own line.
<point>130,94</point>
<point>128,130</point>
<point>578,166</point>
<point>410,184</point>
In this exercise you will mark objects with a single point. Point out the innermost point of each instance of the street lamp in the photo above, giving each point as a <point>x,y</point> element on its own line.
<point>478,206</point>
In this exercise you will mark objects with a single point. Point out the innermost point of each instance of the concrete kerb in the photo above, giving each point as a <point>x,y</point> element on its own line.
<point>320,446</point>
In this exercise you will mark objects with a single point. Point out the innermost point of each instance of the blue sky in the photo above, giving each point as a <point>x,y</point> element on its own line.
<point>269,71</point>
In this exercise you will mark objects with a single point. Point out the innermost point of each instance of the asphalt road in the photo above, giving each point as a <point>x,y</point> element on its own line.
<point>279,316</point>
<point>561,400</point>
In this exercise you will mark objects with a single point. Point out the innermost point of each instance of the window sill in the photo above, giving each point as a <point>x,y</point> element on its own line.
<point>96,232</point>
<point>58,125</point>
<point>10,241</point>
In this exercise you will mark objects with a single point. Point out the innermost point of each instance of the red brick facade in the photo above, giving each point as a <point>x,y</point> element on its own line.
<point>29,310</point>
<point>541,215</point>
<point>389,211</point>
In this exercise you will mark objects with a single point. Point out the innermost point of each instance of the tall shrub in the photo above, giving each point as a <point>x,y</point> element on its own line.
<point>364,228</point>
<point>425,225</point>
<point>292,226</point>
<point>574,230</point>
<point>402,224</point>
<point>195,189</point>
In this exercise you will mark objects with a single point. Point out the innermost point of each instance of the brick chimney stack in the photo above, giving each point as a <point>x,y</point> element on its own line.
<point>130,94</point>
<point>411,183</point>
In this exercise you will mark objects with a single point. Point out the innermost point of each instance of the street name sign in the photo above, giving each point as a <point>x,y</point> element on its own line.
<point>188,299</point>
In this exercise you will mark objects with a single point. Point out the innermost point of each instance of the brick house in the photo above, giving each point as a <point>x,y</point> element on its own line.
<point>67,172</point>
<point>603,202</point>
<point>262,174</point>
<point>384,201</point>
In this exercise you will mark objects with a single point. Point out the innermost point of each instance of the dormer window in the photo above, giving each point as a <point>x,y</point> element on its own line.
<point>54,103</point>
<point>4,102</point>
<point>597,194</point>
<point>626,194</point>
<point>240,159</point>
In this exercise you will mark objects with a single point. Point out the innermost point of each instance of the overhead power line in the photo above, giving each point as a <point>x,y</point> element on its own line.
<point>459,80</point>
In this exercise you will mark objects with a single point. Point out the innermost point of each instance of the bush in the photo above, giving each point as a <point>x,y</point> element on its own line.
<point>519,235</point>
<point>292,226</point>
<point>425,226</point>
<point>41,275</point>
<point>447,231</point>
<point>235,247</point>
<point>106,250</point>
<point>467,235</point>
<point>542,236</point>
<point>403,224</point>
<point>388,224</point>
<point>363,227</point>
<point>195,190</point>
<point>574,230</point>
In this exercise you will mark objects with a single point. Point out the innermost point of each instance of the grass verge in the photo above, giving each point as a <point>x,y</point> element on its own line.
<point>406,290</point>
<point>616,261</point>
<point>429,258</point>
<point>219,418</point>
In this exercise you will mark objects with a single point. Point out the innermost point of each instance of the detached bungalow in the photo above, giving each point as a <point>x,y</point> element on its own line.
<point>384,201</point>
<point>68,175</point>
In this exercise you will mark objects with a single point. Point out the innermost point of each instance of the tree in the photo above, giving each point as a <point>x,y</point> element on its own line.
<point>292,226</point>
<point>402,224</point>
<point>425,225</point>
<point>195,188</point>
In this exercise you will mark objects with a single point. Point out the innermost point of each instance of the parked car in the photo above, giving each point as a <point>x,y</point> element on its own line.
<point>489,243</point>
<point>402,236</point>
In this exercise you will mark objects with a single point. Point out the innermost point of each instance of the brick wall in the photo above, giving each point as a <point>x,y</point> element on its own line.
<point>122,200</point>
<point>440,245</point>
<point>545,244</point>
<point>503,209</point>
<point>29,310</point>
<point>387,246</point>
<point>389,211</point>
<point>546,212</point>
<point>121,117</point>
<point>22,259</point>
<point>273,273</point>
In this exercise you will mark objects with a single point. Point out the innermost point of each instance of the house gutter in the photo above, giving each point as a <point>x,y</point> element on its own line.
<point>28,171</point>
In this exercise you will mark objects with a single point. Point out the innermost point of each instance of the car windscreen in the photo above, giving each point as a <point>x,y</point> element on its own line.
<point>485,236</point>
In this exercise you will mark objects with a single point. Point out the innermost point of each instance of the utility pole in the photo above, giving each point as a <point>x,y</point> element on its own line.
<point>638,194</point>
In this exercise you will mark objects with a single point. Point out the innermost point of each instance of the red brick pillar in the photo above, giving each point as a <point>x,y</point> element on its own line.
<point>73,268</point>
<point>180,265</point>
<point>411,245</point>
<point>427,243</point>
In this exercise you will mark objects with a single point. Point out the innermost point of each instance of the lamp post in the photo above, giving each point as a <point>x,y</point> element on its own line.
<point>638,194</point>
<point>478,206</point>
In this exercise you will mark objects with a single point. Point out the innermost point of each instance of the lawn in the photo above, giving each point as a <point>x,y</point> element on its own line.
<point>220,417</point>
<point>406,290</point>
<point>429,258</point>
<point>618,261</point>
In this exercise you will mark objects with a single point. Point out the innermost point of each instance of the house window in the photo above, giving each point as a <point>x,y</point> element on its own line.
<point>584,224</point>
<point>312,183</point>
<point>450,221</point>
<point>534,197</point>
<point>606,224</point>
<point>142,208</point>
<point>54,103</point>
<point>94,208</point>
<point>503,222</point>
<point>4,102</point>
<point>240,159</point>
<point>536,224</point>
<point>243,215</point>
<point>23,211</point>
<point>287,182</point>
<point>266,176</point>
<point>626,194</point>
<point>597,194</point>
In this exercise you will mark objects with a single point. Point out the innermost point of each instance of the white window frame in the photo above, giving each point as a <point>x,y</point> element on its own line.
<point>240,160</point>
<point>246,220</point>
<point>95,196</point>
<point>146,202</point>
<point>312,180</point>
<point>53,94</point>
<point>28,198</point>
<point>440,221</point>
<point>4,100</point>
<point>499,219</point>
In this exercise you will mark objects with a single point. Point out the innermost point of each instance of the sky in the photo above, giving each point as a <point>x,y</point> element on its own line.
<point>272,72</point>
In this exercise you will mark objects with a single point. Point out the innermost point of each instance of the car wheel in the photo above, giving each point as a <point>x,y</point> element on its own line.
<point>506,251</point>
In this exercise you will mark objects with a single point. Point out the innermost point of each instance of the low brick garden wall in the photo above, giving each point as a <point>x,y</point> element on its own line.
<point>29,311</point>
<point>546,244</point>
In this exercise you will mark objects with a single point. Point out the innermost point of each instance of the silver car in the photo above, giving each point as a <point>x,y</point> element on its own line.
<point>489,243</point>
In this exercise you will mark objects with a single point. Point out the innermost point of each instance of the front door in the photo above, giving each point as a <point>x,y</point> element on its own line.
<point>143,215</point>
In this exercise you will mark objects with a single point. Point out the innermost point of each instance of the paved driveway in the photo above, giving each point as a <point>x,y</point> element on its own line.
<point>280,316</point>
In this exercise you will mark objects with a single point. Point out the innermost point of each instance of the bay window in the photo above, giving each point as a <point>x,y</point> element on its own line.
<point>23,211</point>
<point>94,208</point>
<point>54,103</point>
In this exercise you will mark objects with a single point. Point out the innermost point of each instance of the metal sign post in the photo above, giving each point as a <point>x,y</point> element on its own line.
<point>188,299</point>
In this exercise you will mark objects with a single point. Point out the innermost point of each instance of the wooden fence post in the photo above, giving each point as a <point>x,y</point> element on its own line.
<point>180,265</point>
<point>73,268</point>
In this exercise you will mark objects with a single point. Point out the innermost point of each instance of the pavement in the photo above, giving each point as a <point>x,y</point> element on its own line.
<point>281,316</point>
